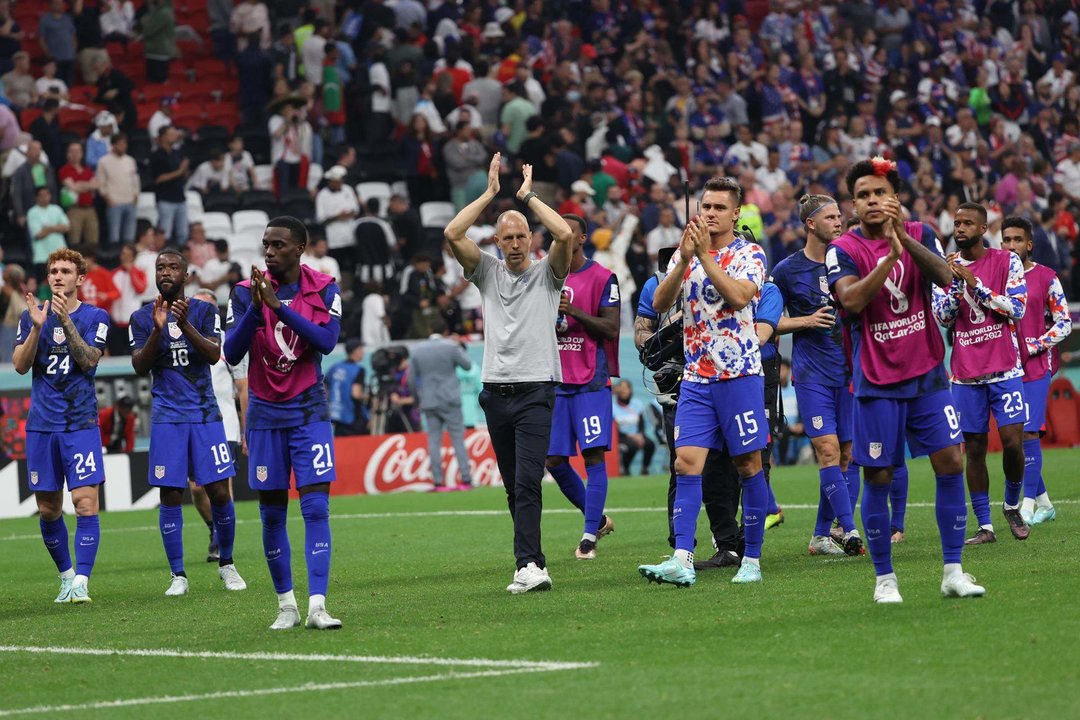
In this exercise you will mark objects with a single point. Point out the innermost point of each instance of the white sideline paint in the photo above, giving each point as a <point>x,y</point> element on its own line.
<point>229,694</point>
<point>304,657</point>
<point>468,513</point>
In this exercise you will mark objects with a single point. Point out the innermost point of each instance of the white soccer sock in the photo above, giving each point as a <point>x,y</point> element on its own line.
<point>685,557</point>
<point>752,561</point>
<point>952,569</point>
<point>989,527</point>
<point>316,602</point>
<point>286,599</point>
<point>80,580</point>
<point>1028,505</point>
<point>588,536</point>
<point>1043,501</point>
<point>68,574</point>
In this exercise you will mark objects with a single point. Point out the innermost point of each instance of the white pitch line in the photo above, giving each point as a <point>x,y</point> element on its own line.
<point>274,657</point>
<point>468,513</point>
<point>230,694</point>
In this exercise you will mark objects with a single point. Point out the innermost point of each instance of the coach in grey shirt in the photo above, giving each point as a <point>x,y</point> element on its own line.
<point>521,356</point>
<point>434,364</point>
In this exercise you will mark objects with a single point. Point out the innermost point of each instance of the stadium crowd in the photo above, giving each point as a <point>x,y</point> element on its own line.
<point>129,126</point>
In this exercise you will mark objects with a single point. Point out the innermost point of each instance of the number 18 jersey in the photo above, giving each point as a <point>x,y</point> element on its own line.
<point>62,396</point>
<point>183,389</point>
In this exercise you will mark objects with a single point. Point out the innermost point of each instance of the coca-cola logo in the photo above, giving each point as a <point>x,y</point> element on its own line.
<point>401,463</point>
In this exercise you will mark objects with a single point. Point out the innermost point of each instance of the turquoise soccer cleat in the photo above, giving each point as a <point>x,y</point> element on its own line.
<point>1044,514</point>
<point>670,571</point>
<point>748,573</point>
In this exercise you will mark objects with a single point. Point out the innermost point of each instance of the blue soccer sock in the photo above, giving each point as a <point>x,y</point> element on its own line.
<point>771,506</point>
<point>875,518</point>
<point>570,483</point>
<point>276,546</point>
<point>1033,461</point>
<point>315,507</point>
<point>55,535</point>
<point>835,490</point>
<point>87,534</point>
<point>224,530</point>
<point>595,497</point>
<point>851,477</point>
<point>951,514</point>
<point>980,504</point>
<point>171,524</point>
<point>1013,489</point>
<point>685,511</point>
<point>755,499</point>
<point>898,493</point>
<point>825,516</point>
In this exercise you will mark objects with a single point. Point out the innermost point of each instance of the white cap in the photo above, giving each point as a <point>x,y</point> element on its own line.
<point>896,96</point>
<point>934,120</point>
<point>580,186</point>
<point>503,14</point>
<point>492,30</point>
<point>336,173</point>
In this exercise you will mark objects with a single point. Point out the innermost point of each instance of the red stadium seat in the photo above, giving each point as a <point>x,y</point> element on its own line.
<point>76,121</point>
<point>1063,414</point>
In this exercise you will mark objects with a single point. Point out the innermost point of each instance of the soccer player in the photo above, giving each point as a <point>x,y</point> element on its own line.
<point>288,318</point>
<point>177,340</point>
<point>62,341</point>
<point>587,328</point>
<point>880,271</point>
<point>819,370</point>
<point>1045,324</point>
<point>721,403</point>
<point>982,304</point>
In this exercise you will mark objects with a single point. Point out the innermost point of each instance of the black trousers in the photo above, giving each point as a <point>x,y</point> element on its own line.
<point>519,423</point>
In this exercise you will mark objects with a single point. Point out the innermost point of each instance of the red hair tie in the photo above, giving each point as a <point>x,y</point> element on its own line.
<point>882,167</point>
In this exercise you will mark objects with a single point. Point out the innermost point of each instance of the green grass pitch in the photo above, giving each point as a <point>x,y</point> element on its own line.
<point>430,631</point>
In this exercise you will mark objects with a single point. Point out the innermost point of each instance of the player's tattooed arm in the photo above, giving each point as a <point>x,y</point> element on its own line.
<point>643,329</point>
<point>207,347</point>
<point>85,357</point>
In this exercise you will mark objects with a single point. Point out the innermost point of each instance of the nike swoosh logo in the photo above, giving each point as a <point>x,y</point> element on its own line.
<point>1015,414</point>
<point>168,532</point>
<point>748,441</point>
<point>83,477</point>
<point>86,544</point>
<point>318,552</point>
<point>954,435</point>
<point>960,527</point>
<point>751,524</point>
<point>322,472</point>
<point>591,439</point>
<point>223,469</point>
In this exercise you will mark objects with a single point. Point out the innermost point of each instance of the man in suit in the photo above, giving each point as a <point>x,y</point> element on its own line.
<point>434,363</point>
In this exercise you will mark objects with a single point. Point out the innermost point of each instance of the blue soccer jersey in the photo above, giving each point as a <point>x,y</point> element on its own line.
<point>817,354</point>
<point>183,391</point>
<point>645,298</point>
<point>341,378</point>
<point>768,307</point>
<point>62,394</point>
<point>309,405</point>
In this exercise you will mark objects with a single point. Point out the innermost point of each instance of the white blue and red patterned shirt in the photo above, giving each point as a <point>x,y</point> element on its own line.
<point>720,342</point>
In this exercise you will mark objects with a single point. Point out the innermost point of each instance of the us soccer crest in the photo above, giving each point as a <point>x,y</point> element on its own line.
<point>823,283</point>
<point>33,478</point>
<point>58,335</point>
<point>875,450</point>
<point>174,331</point>
<point>159,471</point>
<point>817,422</point>
<point>260,473</point>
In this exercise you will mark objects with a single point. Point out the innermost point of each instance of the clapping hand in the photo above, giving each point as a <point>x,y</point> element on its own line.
<point>493,174</point>
<point>160,313</point>
<point>37,312</point>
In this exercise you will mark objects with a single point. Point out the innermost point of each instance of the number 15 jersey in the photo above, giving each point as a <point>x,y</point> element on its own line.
<point>183,390</point>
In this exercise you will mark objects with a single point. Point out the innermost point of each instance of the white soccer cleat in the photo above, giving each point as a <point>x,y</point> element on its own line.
<point>824,545</point>
<point>887,591</point>
<point>319,619</point>
<point>232,579</point>
<point>178,586</point>
<point>528,579</point>
<point>65,590</point>
<point>288,617</point>
<point>79,594</point>
<point>961,585</point>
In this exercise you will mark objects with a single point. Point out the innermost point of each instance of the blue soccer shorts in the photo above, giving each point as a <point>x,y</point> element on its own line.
<point>724,414</point>
<point>179,451</point>
<point>928,422</point>
<point>580,420</point>
<point>975,403</point>
<point>53,457</point>
<point>306,451</point>
<point>1035,395</point>
<point>825,410</point>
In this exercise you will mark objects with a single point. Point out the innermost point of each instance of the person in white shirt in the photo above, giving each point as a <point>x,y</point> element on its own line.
<point>1067,173</point>
<point>337,207</point>
<point>665,234</point>
<point>239,166</point>
<point>216,270</point>
<point>162,117</point>
<point>149,244</point>
<point>211,175</point>
<point>313,53</point>
<point>48,85</point>
<point>771,176</point>
<point>1059,76</point>
<point>747,151</point>
<point>374,321</point>
<point>315,257</point>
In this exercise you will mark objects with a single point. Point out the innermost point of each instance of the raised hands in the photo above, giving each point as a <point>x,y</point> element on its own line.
<point>493,174</point>
<point>37,312</point>
<point>262,292</point>
<point>179,309</point>
<point>160,313</point>
<point>526,181</point>
<point>60,307</point>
